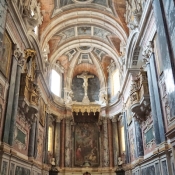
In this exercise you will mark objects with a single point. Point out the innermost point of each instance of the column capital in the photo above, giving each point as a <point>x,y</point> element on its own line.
<point>105,120</point>
<point>58,120</point>
<point>114,120</point>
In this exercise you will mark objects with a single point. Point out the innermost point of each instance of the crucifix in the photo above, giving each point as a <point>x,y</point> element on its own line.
<point>85,77</point>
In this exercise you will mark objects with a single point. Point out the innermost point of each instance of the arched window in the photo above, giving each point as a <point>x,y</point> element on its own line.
<point>56,83</point>
<point>115,82</point>
<point>50,139</point>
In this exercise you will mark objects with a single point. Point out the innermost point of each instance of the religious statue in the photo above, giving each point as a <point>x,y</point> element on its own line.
<point>69,97</point>
<point>120,162</point>
<point>85,77</point>
<point>53,166</point>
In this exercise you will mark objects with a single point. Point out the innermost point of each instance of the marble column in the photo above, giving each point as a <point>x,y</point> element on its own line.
<point>45,159</point>
<point>115,141</point>
<point>67,144</point>
<point>156,107</point>
<point>165,49</point>
<point>15,99</point>
<point>10,101</point>
<point>57,142</point>
<point>126,138</point>
<point>62,143</point>
<point>105,144</point>
<point>139,141</point>
<point>157,98</point>
<point>32,139</point>
<point>153,105</point>
<point>36,139</point>
<point>110,142</point>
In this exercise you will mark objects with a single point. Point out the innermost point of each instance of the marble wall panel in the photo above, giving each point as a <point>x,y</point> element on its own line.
<point>169,8</point>
<point>165,55</point>
<point>4,168</point>
<point>149,170</point>
<point>21,171</point>
<point>164,168</point>
<point>132,144</point>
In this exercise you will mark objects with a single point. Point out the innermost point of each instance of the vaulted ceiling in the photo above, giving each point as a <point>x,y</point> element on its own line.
<point>83,35</point>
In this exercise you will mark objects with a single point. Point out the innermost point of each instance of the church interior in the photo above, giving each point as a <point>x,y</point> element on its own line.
<point>87,87</point>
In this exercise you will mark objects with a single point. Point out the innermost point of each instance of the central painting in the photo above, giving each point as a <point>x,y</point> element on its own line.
<point>86,144</point>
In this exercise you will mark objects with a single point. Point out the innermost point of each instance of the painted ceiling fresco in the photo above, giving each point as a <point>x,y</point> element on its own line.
<point>83,31</point>
<point>67,2</point>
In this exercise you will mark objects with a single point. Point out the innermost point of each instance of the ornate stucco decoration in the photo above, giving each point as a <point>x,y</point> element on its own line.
<point>139,95</point>
<point>32,14</point>
<point>85,108</point>
<point>29,91</point>
<point>147,52</point>
<point>133,13</point>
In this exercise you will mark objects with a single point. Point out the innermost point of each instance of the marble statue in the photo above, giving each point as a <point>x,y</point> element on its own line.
<point>85,77</point>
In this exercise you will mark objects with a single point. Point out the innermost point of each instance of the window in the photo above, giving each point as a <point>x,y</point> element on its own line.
<point>56,83</point>
<point>50,139</point>
<point>123,139</point>
<point>115,82</point>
